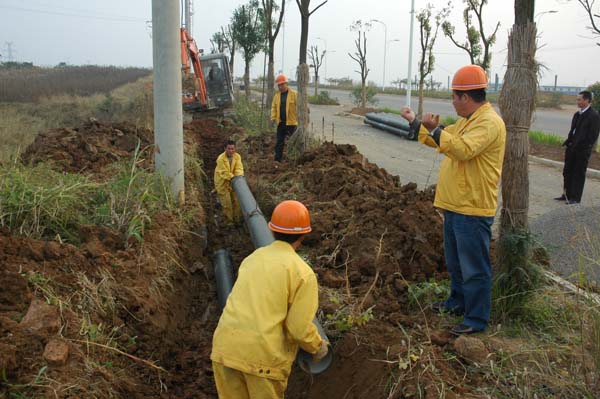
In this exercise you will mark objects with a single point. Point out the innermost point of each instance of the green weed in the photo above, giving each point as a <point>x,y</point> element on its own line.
<point>323,98</point>
<point>424,293</point>
<point>250,116</point>
<point>536,136</point>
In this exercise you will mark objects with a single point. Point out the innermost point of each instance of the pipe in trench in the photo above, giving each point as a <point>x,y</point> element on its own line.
<point>261,236</point>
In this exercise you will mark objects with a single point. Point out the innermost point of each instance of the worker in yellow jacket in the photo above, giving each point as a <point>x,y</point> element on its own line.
<point>284,113</point>
<point>229,164</point>
<point>268,314</point>
<point>467,191</point>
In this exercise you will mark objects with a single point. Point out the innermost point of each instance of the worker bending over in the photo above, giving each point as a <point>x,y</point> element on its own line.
<point>268,314</point>
<point>229,164</point>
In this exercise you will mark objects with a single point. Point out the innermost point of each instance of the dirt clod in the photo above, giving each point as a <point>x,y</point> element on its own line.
<point>41,317</point>
<point>56,352</point>
<point>471,348</point>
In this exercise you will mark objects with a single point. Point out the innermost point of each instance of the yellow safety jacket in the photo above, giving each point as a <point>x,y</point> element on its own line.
<point>268,314</point>
<point>291,110</point>
<point>470,172</point>
<point>224,171</point>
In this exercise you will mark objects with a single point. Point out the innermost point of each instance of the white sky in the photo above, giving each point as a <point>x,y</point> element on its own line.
<point>117,32</point>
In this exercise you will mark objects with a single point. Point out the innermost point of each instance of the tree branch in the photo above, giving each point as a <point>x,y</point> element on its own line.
<point>319,6</point>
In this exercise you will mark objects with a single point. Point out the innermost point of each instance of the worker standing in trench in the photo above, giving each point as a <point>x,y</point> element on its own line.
<point>467,192</point>
<point>269,314</point>
<point>229,164</point>
<point>284,114</point>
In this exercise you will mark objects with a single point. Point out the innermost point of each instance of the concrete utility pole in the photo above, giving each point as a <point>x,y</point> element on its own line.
<point>168,114</point>
<point>410,51</point>
<point>188,16</point>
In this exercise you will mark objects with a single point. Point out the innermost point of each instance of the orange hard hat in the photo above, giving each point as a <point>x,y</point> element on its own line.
<point>281,79</point>
<point>290,217</point>
<point>469,77</point>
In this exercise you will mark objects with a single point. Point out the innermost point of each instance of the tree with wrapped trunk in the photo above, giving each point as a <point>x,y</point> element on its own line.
<point>272,25</point>
<point>428,38</point>
<point>360,56</point>
<point>300,139</point>
<point>247,26</point>
<point>316,60</point>
<point>478,44</point>
<point>516,276</point>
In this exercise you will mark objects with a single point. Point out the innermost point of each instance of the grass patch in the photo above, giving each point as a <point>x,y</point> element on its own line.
<point>248,114</point>
<point>323,98</point>
<point>536,136</point>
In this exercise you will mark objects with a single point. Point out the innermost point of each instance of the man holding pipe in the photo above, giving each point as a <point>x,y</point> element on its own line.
<point>269,314</point>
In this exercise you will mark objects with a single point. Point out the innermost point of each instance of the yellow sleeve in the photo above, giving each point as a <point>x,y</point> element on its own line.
<point>425,138</point>
<point>470,144</point>
<point>222,171</point>
<point>274,110</point>
<point>238,169</point>
<point>302,310</point>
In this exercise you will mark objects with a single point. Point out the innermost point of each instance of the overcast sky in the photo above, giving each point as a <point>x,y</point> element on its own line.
<point>118,32</point>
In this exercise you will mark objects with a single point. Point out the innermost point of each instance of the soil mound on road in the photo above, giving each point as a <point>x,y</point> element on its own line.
<point>88,148</point>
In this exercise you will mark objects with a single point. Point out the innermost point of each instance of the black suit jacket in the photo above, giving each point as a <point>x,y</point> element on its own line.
<point>584,131</point>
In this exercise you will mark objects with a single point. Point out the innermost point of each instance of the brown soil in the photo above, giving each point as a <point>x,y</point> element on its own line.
<point>362,111</point>
<point>557,153</point>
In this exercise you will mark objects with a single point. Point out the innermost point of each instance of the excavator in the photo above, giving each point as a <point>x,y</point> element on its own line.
<point>212,91</point>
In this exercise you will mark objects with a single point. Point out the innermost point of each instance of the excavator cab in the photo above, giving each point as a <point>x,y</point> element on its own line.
<point>218,79</point>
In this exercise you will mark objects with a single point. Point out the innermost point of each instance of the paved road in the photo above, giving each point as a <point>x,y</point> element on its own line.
<point>546,120</point>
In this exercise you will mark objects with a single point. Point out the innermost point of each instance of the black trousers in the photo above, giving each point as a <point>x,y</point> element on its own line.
<point>576,163</point>
<point>282,132</point>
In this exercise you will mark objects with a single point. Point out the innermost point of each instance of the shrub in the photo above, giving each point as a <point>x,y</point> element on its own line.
<point>323,98</point>
<point>356,95</point>
<point>249,115</point>
<point>595,89</point>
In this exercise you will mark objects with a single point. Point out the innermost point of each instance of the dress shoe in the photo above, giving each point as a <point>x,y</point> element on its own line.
<point>572,202</point>
<point>463,329</point>
<point>561,198</point>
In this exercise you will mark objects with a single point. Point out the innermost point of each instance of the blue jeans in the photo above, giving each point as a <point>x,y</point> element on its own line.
<point>467,251</point>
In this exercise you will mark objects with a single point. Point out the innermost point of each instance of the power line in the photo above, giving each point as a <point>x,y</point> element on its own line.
<point>106,18</point>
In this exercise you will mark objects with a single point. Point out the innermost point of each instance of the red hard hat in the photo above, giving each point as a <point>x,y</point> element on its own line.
<point>469,77</point>
<point>281,79</point>
<point>290,217</point>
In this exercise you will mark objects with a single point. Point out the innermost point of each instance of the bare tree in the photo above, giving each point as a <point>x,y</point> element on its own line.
<point>248,30</point>
<point>316,62</point>
<point>594,16</point>
<point>477,45</point>
<point>272,26</point>
<point>428,38</point>
<point>360,56</point>
<point>299,142</point>
<point>230,44</point>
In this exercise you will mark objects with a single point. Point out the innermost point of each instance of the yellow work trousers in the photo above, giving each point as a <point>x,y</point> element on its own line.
<point>233,384</point>
<point>230,205</point>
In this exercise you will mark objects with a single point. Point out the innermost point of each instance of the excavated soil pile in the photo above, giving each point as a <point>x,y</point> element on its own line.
<point>88,148</point>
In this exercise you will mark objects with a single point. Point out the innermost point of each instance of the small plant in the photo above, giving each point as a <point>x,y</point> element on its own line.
<point>323,98</point>
<point>249,115</point>
<point>344,319</point>
<point>448,120</point>
<point>356,95</point>
<point>422,294</point>
<point>536,136</point>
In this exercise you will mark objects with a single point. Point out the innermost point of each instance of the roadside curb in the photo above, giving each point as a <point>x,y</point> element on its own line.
<point>591,173</point>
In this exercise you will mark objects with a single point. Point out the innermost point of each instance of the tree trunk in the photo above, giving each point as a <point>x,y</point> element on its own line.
<point>316,85</point>
<point>363,99</point>
<point>420,109</point>
<point>247,79</point>
<point>270,79</point>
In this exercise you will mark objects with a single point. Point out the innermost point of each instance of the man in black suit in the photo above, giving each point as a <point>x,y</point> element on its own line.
<point>579,146</point>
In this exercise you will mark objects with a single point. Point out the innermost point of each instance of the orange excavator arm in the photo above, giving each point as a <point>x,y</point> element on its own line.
<point>190,55</point>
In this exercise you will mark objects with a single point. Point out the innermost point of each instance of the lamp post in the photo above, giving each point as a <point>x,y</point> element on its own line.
<point>324,41</point>
<point>384,50</point>
<point>410,48</point>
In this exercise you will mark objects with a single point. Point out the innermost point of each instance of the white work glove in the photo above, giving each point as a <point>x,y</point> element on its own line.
<point>322,352</point>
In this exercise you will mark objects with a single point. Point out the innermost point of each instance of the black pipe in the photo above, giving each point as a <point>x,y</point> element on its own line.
<point>387,128</point>
<point>260,234</point>
<point>392,120</point>
<point>223,275</point>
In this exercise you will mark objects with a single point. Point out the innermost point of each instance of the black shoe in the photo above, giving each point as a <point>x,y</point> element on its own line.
<point>463,329</point>
<point>572,202</point>
<point>561,198</point>
<point>440,307</point>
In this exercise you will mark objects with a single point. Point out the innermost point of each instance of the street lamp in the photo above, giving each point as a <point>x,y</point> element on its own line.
<point>384,49</point>
<point>325,41</point>
<point>410,48</point>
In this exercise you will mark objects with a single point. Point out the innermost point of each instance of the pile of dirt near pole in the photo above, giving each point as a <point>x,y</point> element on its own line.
<point>88,148</point>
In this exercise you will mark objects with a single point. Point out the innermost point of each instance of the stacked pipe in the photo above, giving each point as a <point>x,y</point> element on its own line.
<point>390,123</point>
<point>261,236</point>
